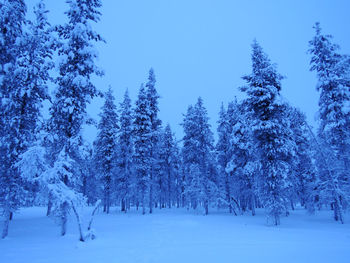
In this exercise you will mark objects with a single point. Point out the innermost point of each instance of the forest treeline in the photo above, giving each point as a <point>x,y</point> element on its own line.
<point>266,155</point>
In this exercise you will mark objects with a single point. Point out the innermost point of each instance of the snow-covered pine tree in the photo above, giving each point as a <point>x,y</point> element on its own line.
<point>142,155</point>
<point>178,190</point>
<point>36,60</point>
<point>126,181</point>
<point>333,72</point>
<point>242,164</point>
<point>161,178</point>
<point>75,90</point>
<point>26,60</point>
<point>168,169</point>
<point>272,135</point>
<point>189,156</point>
<point>304,182</point>
<point>152,97</point>
<point>223,156</point>
<point>198,157</point>
<point>106,148</point>
<point>12,15</point>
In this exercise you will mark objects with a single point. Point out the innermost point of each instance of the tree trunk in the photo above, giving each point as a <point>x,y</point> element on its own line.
<point>253,204</point>
<point>238,207</point>
<point>123,208</point>
<point>206,206</point>
<point>143,203</point>
<point>230,208</point>
<point>108,200</point>
<point>338,215</point>
<point>169,190</point>
<point>277,219</point>
<point>64,215</point>
<point>93,213</point>
<point>104,202</point>
<point>81,237</point>
<point>49,206</point>
<point>150,197</point>
<point>5,229</point>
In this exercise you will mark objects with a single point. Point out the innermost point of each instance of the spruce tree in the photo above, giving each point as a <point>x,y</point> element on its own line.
<point>75,90</point>
<point>332,70</point>
<point>178,194</point>
<point>304,183</point>
<point>152,97</point>
<point>198,157</point>
<point>168,169</point>
<point>272,135</point>
<point>126,181</point>
<point>17,105</point>
<point>106,148</point>
<point>142,155</point>
<point>242,164</point>
<point>223,155</point>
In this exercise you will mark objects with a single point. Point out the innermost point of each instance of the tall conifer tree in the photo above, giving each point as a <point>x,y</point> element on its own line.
<point>333,72</point>
<point>198,157</point>
<point>273,138</point>
<point>152,97</point>
<point>126,177</point>
<point>142,155</point>
<point>15,129</point>
<point>74,92</point>
<point>106,148</point>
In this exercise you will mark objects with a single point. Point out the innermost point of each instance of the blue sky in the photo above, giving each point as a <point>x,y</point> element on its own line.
<point>202,48</point>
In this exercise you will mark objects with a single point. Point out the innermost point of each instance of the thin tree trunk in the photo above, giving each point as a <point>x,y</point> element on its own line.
<point>64,215</point>
<point>292,205</point>
<point>5,229</point>
<point>253,204</point>
<point>151,196</point>
<point>143,203</point>
<point>63,219</point>
<point>108,200</point>
<point>123,207</point>
<point>169,190</point>
<point>104,202</point>
<point>238,207</point>
<point>338,215</point>
<point>49,206</point>
<point>206,205</point>
<point>93,213</point>
<point>277,219</point>
<point>81,237</point>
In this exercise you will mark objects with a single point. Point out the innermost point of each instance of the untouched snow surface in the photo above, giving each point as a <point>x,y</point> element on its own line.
<point>178,235</point>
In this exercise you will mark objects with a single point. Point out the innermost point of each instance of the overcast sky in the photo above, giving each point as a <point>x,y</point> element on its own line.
<point>202,48</point>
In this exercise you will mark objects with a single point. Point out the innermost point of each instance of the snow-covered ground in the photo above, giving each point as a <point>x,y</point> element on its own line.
<point>178,235</point>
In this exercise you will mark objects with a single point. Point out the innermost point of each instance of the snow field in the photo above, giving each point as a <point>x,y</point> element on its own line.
<point>178,235</point>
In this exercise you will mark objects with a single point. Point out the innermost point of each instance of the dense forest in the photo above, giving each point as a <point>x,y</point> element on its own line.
<point>266,154</point>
